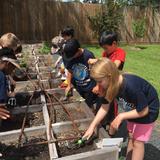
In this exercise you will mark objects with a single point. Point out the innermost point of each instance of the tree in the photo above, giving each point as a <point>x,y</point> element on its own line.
<point>144,3</point>
<point>107,20</point>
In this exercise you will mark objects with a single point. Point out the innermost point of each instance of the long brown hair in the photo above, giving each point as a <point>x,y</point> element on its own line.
<point>105,69</point>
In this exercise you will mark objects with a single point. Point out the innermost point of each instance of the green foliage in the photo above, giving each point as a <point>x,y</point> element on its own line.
<point>139,28</point>
<point>23,61</point>
<point>107,20</point>
<point>45,48</point>
<point>122,158</point>
<point>143,3</point>
<point>23,64</point>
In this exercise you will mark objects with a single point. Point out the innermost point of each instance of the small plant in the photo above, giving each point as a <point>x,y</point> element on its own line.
<point>23,64</point>
<point>139,28</point>
<point>23,61</point>
<point>45,49</point>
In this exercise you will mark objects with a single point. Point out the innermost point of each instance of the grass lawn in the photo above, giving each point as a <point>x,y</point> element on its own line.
<point>142,60</point>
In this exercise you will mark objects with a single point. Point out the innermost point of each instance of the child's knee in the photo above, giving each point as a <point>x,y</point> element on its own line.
<point>138,144</point>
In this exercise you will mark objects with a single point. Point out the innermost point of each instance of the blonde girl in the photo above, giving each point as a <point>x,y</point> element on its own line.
<point>141,105</point>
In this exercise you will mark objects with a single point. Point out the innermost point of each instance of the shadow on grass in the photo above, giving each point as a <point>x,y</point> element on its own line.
<point>96,46</point>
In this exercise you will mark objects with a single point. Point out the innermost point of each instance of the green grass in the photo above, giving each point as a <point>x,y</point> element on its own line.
<point>142,60</point>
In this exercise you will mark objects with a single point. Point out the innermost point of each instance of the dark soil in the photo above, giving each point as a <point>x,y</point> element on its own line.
<point>33,119</point>
<point>61,97</point>
<point>42,69</point>
<point>26,87</point>
<point>45,75</point>
<point>58,95</point>
<point>36,119</point>
<point>77,111</point>
<point>35,152</point>
<point>23,98</point>
<point>20,75</point>
<point>15,122</point>
<point>54,83</point>
<point>61,115</point>
<point>64,149</point>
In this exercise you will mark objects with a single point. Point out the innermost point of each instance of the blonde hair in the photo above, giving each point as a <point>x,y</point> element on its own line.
<point>105,69</point>
<point>10,40</point>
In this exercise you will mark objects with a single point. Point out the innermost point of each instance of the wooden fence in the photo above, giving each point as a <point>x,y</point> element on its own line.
<point>39,20</point>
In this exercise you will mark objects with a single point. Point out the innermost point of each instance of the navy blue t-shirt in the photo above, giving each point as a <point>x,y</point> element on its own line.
<point>137,93</point>
<point>80,71</point>
<point>3,88</point>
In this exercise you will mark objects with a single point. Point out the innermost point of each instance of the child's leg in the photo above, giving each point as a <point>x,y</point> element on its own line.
<point>130,147</point>
<point>139,133</point>
<point>138,150</point>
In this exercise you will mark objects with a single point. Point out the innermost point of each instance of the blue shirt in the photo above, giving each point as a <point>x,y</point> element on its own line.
<point>79,68</point>
<point>137,93</point>
<point>3,88</point>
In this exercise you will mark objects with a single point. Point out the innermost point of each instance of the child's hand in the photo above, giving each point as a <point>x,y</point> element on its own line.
<point>62,70</point>
<point>95,90</point>
<point>67,90</point>
<point>88,133</point>
<point>13,82</point>
<point>12,94</point>
<point>116,122</point>
<point>4,114</point>
<point>98,90</point>
<point>111,131</point>
<point>91,61</point>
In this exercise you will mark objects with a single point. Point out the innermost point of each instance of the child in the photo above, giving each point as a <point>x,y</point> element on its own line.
<point>141,105</point>
<point>57,42</point>
<point>67,33</point>
<point>56,49</point>
<point>77,65</point>
<point>8,64</point>
<point>10,40</point>
<point>7,61</point>
<point>109,42</point>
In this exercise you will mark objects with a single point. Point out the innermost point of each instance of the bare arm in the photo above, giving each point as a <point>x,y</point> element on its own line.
<point>69,78</point>
<point>98,118</point>
<point>128,115</point>
<point>91,61</point>
<point>100,115</point>
<point>117,63</point>
<point>58,60</point>
<point>134,114</point>
<point>69,86</point>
